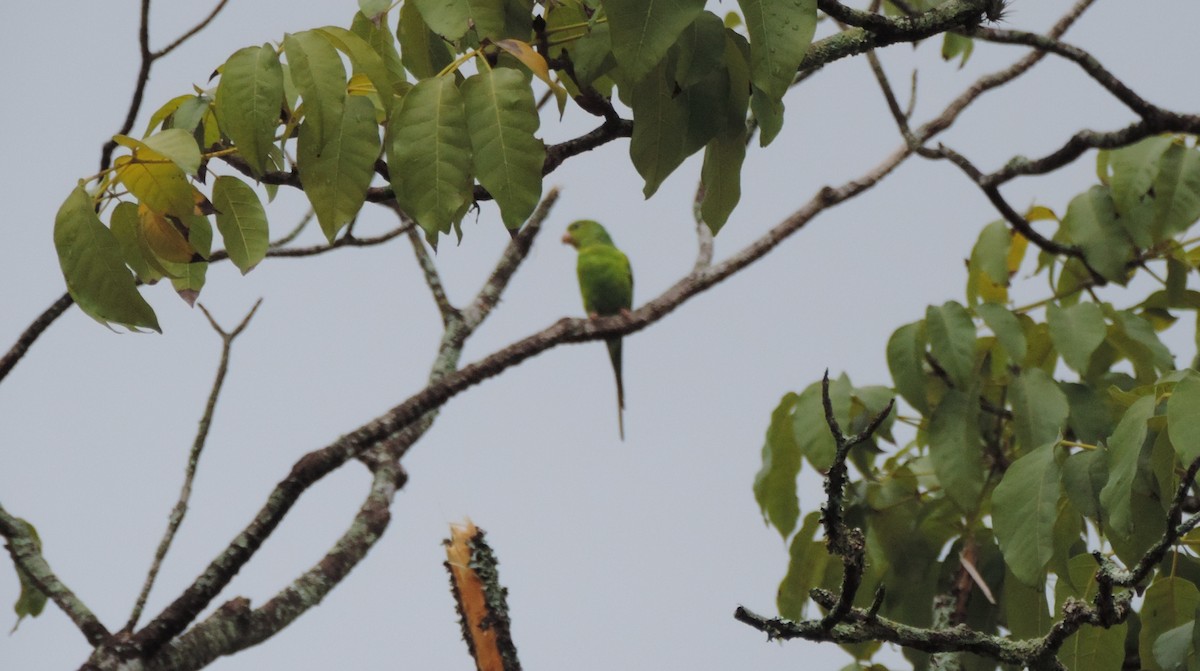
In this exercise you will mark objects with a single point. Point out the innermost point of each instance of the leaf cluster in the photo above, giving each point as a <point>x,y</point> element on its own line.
<point>1041,435</point>
<point>392,99</point>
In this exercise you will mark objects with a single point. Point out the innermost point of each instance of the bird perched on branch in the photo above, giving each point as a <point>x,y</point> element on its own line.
<point>606,282</point>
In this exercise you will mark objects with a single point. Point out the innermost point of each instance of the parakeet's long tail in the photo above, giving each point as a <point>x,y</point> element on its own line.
<point>614,353</point>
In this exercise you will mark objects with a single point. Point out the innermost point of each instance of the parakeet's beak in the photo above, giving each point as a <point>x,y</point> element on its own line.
<point>568,240</point>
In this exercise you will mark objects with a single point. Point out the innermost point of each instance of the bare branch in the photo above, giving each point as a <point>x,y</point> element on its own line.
<point>191,32</point>
<point>432,278</point>
<point>27,556</point>
<point>1072,53</point>
<point>185,493</point>
<point>32,332</point>
<point>295,232</point>
<point>235,627</point>
<point>148,58</point>
<point>514,255</point>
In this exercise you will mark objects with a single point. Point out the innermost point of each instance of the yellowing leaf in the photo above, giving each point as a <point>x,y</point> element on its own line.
<point>529,58</point>
<point>155,180</point>
<point>165,237</point>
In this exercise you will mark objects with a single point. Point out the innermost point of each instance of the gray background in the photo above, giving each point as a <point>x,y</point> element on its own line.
<point>616,555</point>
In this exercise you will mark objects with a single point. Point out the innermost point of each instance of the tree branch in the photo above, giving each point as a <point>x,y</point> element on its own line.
<point>185,493</point>
<point>430,271</point>
<point>235,627</point>
<point>148,58</point>
<point>27,557</point>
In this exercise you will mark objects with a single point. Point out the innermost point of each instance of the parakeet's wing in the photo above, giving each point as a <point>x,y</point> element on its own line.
<point>605,280</point>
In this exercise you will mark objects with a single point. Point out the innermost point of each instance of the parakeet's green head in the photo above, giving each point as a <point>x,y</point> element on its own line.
<point>584,233</point>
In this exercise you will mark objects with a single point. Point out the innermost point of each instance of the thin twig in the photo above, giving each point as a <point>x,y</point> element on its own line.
<point>191,32</point>
<point>185,493</point>
<point>295,232</point>
<point>148,58</point>
<point>514,254</point>
<point>432,279</point>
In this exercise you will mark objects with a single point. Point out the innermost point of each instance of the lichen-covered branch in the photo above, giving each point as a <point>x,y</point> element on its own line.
<point>23,549</point>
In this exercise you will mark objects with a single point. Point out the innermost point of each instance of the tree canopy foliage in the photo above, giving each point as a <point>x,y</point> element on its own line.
<point>1022,491</point>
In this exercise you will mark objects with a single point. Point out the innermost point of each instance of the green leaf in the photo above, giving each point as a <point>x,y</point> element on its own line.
<point>249,98</point>
<point>320,78</point>
<point>161,114</point>
<point>371,8</point>
<point>1176,191</point>
<point>807,561</point>
<point>242,222</point>
<point>1091,419</point>
<point>780,33</point>
<point>178,145</point>
<point>1024,509</point>
<point>643,30</point>
<point>383,42</point>
<point>659,128</point>
<point>721,176</point>
<point>906,361</point>
<point>1007,328</point>
<point>1135,338</point>
<point>501,120</point>
<point>429,152</point>
<point>1134,169</point>
<point>1084,476</point>
<point>1124,451</point>
<point>422,51</point>
<point>702,103</point>
<point>768,112</point>
<point>336,165</point>
<point>702,50</point>
<point>1173,648</point>
<point>812,431</point>
<point>955,45</point>
<point>1183,418</point>
<point>775,484</point>
<point>1169,603</point>
<point>95,272</point>
<point>124,225</point>
<point>737,65</point>
<point>956,449</point>
<point>448,18</point>
<point>1077,331</point>
<point>952,341</point>
<point>1025,608</point>
<point>1040,408</point>
<point>586,42</point>
<point>990,254</point>
<point>191,113</point>
<point>1091,222</point>
<point>364,60</point>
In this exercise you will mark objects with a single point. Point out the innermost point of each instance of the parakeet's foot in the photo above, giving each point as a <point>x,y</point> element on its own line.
<point>626,313</point>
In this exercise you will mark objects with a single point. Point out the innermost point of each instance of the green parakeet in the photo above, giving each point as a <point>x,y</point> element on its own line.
<point>606,282</point>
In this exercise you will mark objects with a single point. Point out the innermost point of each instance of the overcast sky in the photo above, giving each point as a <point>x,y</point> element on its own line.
<point>616,555</point>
